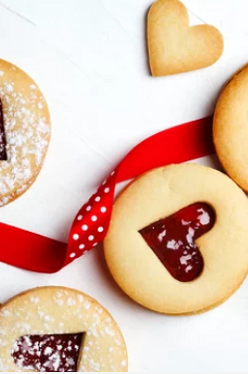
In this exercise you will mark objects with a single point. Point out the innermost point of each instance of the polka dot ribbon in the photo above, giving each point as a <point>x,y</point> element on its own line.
<point>33,252</point>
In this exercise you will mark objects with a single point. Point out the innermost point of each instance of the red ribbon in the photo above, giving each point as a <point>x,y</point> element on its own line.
<point>34,252</point>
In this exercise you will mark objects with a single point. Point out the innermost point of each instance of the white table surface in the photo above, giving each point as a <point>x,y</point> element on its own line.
<point>89,58</point>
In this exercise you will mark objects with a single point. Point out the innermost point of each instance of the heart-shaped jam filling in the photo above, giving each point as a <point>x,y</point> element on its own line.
<point>173,240</point>
<point>3,153</point>
<point>47,353</point>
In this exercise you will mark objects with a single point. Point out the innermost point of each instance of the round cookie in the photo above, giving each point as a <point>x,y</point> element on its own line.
<point>24,134</point>
<point>230,128</point>
<point>56,329</point>
<point>159,198</point>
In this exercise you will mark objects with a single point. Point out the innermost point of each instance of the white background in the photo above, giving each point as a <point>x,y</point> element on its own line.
<point>89,58</point>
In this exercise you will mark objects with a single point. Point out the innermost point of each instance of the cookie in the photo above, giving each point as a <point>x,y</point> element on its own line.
<point>173,46</point>
<point>57,329</point>
<point>178,239</point>
<point>230,128</point>
<point>24,132</point>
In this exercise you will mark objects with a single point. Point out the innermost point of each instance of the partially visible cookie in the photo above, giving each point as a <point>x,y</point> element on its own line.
<point>178,239</point>
<point>57,329</point>
<point>24,132</point>
<point>230,128</point>
<point>173,46</point>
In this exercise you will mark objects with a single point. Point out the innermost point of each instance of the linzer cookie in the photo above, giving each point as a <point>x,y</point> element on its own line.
<point>173,46</point>
<point>56,329</point>
<point>24,131</point>
<point>230,128</point>
<point>178,239</point>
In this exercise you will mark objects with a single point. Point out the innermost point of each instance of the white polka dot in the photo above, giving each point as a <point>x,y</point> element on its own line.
<point>82,246</point>
<point>75,236</point>
<point>80,217</point>
<point>113,172</point>
<point>97,199</point>
<point>91,237</point>
<point>95,244</point>
<point>72,255</point>
<point>103,209</point>
<point>106,190</point>
<point>84,227</point>
<point>94,218</point>
<point>100,229</point>
<point>88,208</point>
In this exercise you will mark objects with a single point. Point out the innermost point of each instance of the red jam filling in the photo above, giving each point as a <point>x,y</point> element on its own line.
<point>173,240</point>
<point>3,153</point>
<point>47,353</point>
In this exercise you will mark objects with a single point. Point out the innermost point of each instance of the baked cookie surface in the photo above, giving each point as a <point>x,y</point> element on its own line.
<point>27,128</point>
<point>173,46</point>
<point>230,128</point>
<point>162,193</point>
<point>59,329</point>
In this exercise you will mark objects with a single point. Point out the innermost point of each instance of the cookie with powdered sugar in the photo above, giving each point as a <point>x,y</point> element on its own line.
<point>24,131</point>
<point>57,329</point>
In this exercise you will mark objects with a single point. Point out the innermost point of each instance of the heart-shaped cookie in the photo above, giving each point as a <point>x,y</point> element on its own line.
<point>173,46</point>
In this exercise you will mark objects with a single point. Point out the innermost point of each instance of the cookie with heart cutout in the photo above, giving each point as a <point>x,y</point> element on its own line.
<point>175,47</point>
<point>57,329</point>
<point>24,131</point>
<point>230,128</point>
<point>178,239</point>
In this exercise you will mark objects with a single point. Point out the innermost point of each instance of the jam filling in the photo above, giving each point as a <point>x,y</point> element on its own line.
<point>173,240</point>
<point>47,353</point>
<point>3,152</point>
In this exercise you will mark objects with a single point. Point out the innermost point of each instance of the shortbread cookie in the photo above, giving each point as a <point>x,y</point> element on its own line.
<point>24,131</point>
<point>173,46</point>
<point>56,329</point>
<point>230,128</point>
<point>178,239</point>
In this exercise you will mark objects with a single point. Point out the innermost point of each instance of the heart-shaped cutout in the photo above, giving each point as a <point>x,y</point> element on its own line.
<point>49,353</point>
<point>173,240</point>
<point>174,46</point>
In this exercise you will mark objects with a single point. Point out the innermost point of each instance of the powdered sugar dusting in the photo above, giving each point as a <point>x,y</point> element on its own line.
<point>204,217</point>
<point>27,131</point>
